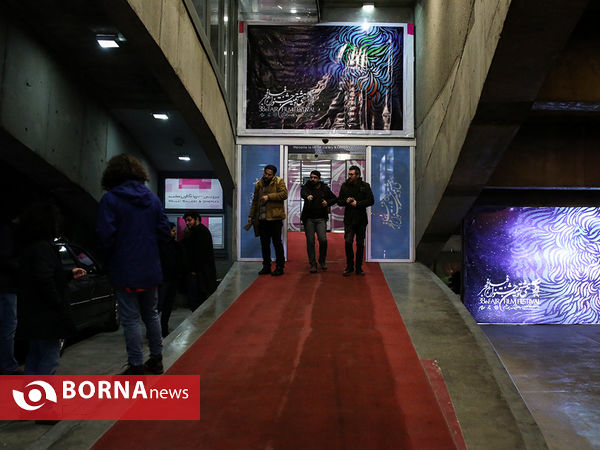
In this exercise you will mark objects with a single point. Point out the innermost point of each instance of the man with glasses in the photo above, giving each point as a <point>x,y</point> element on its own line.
<point>317,200</point>
<point>355,197</point>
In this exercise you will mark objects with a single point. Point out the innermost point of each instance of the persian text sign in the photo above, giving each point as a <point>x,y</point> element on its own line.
<point>95,397</point>
<point>201,193</point>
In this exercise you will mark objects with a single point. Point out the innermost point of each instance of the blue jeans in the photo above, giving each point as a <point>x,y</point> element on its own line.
<point>8,326</point>
<point>132,306</point>
<point>43,357</point>
<point>320,227</point>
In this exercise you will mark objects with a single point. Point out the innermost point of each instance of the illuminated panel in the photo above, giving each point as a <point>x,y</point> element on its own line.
<point>193,193</point>
<point>533,265</point>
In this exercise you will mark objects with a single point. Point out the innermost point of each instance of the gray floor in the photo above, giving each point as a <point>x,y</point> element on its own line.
<point>557,371</point>
<point>552,366</point>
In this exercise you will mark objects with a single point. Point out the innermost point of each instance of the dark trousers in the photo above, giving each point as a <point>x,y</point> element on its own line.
<point>270,230</point>
<point>167,292</point>
<point>319,226</point>
<point>350,232</point>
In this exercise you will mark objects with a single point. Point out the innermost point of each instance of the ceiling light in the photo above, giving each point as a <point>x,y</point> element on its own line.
<point>225,19</point>
<point>293,10</point>
<point>107,40</point>
<point>184,158</point>
<point>368,7</point>
<point>160,116</point>
<point>280,7</point>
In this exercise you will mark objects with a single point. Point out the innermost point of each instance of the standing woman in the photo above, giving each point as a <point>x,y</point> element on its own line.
<point>317,200</point>
<point>43,309</point>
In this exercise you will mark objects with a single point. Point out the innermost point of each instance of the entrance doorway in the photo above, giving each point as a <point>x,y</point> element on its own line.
<point>333,162</point>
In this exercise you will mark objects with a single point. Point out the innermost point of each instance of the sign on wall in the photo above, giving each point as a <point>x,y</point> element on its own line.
<point>328,79</point>
<point>533,265</point>
<point>188,193</point>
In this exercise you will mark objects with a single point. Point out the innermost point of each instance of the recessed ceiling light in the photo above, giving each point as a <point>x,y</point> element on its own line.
<point>184,158</point>
<point>368,7</point>
<point>225,19</point>
<point>107,40</point>
<point>280,7</point>
<point>160,116</point>
<point>293,10</point>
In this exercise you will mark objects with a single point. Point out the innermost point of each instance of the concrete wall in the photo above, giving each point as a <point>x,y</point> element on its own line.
<point>455,42</point>
<point>171,28</point>
<point>42,109</point>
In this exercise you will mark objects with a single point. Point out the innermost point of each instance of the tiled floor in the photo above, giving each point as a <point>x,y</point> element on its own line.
<point>557,371</point>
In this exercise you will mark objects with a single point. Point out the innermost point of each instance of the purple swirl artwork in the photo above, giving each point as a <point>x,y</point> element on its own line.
<point>533,265</point>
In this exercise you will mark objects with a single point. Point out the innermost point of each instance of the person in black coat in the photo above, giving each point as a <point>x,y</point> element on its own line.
<point>43,305</point>
<point>171,267</point>
<point>8,297</point>
<point>198,261</point>
<point>355,197</point>
<point>315,212</point>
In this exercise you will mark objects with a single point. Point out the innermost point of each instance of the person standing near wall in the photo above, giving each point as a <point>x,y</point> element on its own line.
<point>8,296</point>
<point>268,209</point>
<point>315,212</point>
<point>170,262</point>
<point>198,261</point>
<point>43,307</point>
<point>355,197</point>
<point>131,223</point>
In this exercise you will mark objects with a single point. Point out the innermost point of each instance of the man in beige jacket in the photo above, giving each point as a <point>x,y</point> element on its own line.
<point>268,211</point>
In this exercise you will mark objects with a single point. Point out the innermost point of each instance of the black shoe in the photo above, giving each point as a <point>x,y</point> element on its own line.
<point>265,271</point>
<point>360,272</point>
<point>313,268</point>
<point>348,271</point>
<point>277,272</point>
<point>323,265</point>
<point>154,364</point>
<point>135,370</point>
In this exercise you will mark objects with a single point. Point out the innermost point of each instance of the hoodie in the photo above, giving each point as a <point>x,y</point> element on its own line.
<point>131,223</point>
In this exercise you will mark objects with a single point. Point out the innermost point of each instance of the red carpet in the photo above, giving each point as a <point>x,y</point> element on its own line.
<point>304,361</point>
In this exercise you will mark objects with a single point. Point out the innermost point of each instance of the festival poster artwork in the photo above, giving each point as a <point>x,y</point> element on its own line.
<point>190,193</point>
<point>533,265</point>
<point>327,78</point>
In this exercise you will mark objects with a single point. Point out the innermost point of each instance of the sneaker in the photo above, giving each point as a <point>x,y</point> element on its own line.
<point>134,370</point>
<point>359,272</point>
<point>323,265</point>
<point>278,271</point>
<point>265,271</point>
<point>154,364</point>
<point>348,271</point>
<point>313,268</point>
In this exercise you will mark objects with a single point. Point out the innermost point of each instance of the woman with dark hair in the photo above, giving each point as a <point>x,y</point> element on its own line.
<point>43,297</point>
<point>131,223</point>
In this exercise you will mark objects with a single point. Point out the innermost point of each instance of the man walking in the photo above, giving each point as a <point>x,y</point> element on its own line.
<point>315,212</point>
<point>131,223</point>
<point>268,209</point>
<point>355,197</point>
<point>198,261</point>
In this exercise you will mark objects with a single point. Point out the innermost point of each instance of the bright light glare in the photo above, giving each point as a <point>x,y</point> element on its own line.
<point>365,26</point>
<point>107,43</point>
<point>160,116</point>
<point>293,10</point>
<point>368,7</point>
<point>184,158</point>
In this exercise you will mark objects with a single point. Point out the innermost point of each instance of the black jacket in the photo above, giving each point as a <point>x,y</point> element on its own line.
<point>8,259</point>
<point>43,303</point>
<point>199,257</point>
<point>361,192</point>
<point>314,209</point>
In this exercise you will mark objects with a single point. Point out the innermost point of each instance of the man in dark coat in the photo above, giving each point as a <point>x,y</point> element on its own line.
<point>170,263</point>
<point>355,197</point>
<point>43,306</point>
<point>198,261</point>
<point>8,297</point>
<point>131,223</point>
<point>315,212</point>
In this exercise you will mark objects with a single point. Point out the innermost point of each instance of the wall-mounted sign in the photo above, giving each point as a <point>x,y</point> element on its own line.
<point>533,265</point>
<point>193,193</point>
<point>328,79</point>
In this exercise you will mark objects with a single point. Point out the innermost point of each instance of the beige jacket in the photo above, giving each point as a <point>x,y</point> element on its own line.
<point>277,192</point>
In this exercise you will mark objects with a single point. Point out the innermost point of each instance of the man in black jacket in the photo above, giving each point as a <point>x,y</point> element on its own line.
<point>355,197</point>
<point>317,200</point>
<point>198,261</point>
